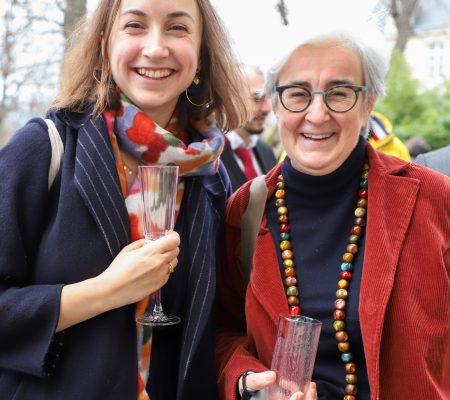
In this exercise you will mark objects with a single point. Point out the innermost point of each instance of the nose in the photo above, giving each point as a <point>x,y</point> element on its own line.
<point>317,112</point>
<point>155,46</point>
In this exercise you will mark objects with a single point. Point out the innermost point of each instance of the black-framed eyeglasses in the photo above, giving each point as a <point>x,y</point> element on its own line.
<point>339,98</point>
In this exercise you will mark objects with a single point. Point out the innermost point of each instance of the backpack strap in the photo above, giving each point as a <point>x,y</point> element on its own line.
<point>57,151</point>
<point>250,223</point>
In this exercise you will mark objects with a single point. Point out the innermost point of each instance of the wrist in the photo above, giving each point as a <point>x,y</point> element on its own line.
<point>81,301</point>
<point>245,392</point>
<point>105,293</point>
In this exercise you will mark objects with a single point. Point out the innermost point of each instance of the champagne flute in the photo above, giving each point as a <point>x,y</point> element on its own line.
<point>158,195</point>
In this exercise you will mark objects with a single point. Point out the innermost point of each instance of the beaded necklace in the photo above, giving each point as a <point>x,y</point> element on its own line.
<point>345,276</point>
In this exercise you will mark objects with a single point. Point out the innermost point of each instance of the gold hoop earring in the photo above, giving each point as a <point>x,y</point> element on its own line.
<point>194,104</point>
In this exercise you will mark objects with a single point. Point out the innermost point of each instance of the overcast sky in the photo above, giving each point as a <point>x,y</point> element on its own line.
<point>256,29</point>
<point>258,34</point>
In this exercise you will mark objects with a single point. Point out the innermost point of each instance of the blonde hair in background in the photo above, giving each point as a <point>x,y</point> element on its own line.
<point>87,81</point>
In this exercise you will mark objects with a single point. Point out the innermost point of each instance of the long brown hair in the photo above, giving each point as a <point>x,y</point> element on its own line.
<point>86,73</point>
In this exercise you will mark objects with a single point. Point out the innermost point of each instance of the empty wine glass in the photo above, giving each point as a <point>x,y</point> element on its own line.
<point>158,195</point>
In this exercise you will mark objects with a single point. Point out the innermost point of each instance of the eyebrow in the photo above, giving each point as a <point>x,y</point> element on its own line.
<point>174,14</point>
<point>329,83</point>
<point>139,13</point>
<point>177,14</point>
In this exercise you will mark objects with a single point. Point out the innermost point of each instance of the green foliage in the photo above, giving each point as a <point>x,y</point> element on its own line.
<point>414,112</point>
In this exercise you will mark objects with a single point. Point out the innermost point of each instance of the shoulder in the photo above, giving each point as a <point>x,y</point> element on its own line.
<point>438,153</point>
<point>30,138</point>
<point>261,144</point>
<point>432,187</point>
<point>25,159</point>
<point>437,159</point>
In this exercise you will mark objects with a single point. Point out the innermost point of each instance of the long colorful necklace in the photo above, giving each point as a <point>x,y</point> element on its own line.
<point>345,275</point>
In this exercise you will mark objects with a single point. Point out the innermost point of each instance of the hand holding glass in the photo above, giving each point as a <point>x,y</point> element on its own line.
<point>158,195</point>
<point>294,355</point>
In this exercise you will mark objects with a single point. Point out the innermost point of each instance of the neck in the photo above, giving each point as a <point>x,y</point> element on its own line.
<point>160,116</point>
<point>244,134</point>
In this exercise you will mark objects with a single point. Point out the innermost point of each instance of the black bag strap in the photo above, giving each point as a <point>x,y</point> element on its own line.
<point>250,223</point>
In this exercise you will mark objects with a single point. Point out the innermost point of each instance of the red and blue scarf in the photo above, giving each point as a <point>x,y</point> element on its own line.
<point>133,131</point>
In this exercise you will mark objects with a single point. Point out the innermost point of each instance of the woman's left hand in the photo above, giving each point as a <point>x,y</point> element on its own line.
<point>311,393</point>
<point>262,380</point>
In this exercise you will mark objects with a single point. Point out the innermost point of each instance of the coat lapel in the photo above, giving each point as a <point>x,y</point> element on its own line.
<point>205,208</point>
<point>387,224</point>
<point>97,181</point>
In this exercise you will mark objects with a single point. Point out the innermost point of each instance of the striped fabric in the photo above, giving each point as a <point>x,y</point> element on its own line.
<point>99,186</point>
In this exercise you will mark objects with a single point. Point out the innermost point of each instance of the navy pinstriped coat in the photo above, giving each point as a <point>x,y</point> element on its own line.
<point>73,232</point>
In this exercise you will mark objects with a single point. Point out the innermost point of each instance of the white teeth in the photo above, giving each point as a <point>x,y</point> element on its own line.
<point>316,137</point>
<point>155,74</point>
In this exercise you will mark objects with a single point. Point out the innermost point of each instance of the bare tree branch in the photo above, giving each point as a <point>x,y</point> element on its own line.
<point>29,67</point>
<point>73,14</point>
<point>283,11</point>
<point>402,11</point>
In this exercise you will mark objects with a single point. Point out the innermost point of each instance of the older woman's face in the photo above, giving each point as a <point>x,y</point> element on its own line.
<point>154,50</point>
<point>318,140</point>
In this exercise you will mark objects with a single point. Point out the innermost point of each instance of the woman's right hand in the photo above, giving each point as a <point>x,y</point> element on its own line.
<point>140,269</point>
<point>262,380</point>
<point>137,271</point>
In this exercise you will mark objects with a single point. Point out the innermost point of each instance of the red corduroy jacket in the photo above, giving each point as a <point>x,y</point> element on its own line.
<point>405,289</point>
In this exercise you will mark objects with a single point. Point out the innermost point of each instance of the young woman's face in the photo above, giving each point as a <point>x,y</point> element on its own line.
<point>154,52</point>
<point>318,140</point>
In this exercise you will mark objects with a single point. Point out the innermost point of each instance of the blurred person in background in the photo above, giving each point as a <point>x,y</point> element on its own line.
<point>438,159</point>
<point>417,145</point>
<point>382,138</point>
<point>246,155</point>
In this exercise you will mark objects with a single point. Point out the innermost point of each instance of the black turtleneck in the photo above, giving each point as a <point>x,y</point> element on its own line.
<point>321,215</point>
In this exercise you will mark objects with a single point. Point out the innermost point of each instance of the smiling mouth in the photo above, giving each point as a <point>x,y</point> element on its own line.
<point>154,73</point>
<point>322,136</point>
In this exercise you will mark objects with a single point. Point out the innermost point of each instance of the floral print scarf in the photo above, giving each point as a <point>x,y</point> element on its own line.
<point>133,131</point>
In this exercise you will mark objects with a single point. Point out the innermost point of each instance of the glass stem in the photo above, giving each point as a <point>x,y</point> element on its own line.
<point>158,310</point>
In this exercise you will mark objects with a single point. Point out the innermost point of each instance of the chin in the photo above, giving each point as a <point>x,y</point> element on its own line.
<point>312,167</point>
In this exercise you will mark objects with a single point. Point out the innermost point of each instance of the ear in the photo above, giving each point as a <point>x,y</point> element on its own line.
<point>370,105</point>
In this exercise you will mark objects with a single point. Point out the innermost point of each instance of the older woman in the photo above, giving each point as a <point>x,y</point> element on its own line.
<point>140,82</point>
<point>355,238</point>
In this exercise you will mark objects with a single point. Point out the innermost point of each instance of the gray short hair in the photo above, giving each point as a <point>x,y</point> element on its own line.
<point>369,45</point>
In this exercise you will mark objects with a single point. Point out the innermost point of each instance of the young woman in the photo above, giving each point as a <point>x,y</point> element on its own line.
<point>141,80</point>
